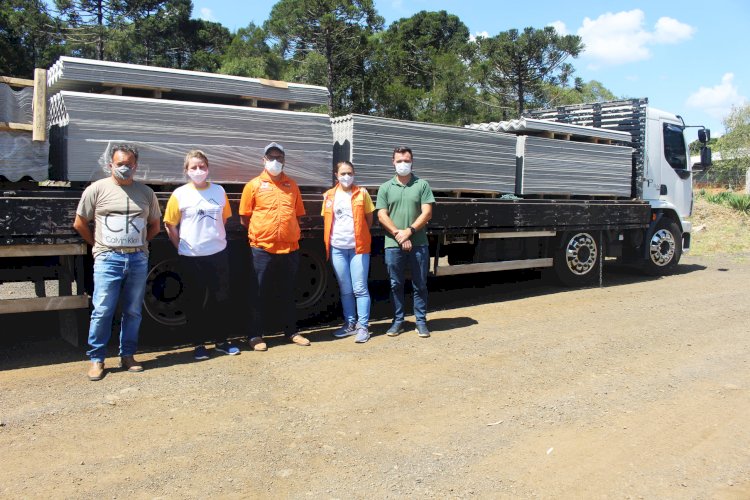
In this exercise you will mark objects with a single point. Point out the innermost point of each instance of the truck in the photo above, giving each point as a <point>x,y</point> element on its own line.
<point>566,234</point>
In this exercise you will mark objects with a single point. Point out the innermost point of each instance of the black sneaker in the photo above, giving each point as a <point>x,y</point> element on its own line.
<point>228,348</point>
<point>200,353</point>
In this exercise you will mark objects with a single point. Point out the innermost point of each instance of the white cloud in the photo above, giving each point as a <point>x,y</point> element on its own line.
<point>206,14</point>
<point>671,31</point>
<point>483,34</point>
<point>718,100</point>
<point>559,27</point>
<point>621,38</point>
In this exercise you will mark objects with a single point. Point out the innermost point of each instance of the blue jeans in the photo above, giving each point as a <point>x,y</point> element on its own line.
<point>351,272</point>
<point>277,276</point>
<point>117,276</point>
<point>418,260</point>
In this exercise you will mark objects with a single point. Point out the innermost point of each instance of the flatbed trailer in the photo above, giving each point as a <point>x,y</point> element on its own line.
<point>36,232</point>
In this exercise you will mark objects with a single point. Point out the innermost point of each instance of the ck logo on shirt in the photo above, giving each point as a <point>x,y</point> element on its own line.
<point>123,230</point>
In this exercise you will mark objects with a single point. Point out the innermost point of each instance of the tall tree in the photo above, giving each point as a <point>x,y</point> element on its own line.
<point>161,33</point>
<point>88,24</point>
<point>513,66</point>
<point>29,37</point>
<point>336,29</point>
<point>420,67</point>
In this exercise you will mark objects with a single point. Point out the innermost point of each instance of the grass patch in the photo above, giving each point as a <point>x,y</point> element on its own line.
<point>718,228</point>
<point>736,201</point>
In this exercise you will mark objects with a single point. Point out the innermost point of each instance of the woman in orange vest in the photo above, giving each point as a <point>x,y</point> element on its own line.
<point>347,213</point>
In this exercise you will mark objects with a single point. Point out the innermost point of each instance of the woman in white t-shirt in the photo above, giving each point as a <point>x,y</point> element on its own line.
<point>347,214</point>
<point>194,219</point>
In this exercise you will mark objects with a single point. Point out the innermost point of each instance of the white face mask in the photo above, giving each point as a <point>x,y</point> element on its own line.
<point>346,180</point>
<point>274,167</point>
<point>198,175</point>
<point>403,168</point>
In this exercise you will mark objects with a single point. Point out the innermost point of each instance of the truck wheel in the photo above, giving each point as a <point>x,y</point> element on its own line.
<point>576,261</point>
<point>664,248</point>
<point>164,302</point>
<point>317,291</point>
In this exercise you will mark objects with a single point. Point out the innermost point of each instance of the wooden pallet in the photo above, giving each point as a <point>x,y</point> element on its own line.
<point>38,127</point>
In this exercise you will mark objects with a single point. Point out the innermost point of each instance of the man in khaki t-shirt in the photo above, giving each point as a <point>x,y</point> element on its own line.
<point>126,217</point>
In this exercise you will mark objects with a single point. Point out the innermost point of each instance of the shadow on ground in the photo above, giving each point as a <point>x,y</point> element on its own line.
<point>33,340</point>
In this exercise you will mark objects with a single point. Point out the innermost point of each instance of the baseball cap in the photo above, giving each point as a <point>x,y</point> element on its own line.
<point>273,145</point>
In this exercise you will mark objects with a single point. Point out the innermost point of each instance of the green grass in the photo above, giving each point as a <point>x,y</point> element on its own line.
<point>736,201</point>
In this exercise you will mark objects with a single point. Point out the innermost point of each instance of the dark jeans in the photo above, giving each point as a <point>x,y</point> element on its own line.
<point>418,259</point>
<point>276,275</point>
<point>206,287</point>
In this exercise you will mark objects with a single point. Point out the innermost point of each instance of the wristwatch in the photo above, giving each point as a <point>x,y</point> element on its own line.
<point>412,230</point>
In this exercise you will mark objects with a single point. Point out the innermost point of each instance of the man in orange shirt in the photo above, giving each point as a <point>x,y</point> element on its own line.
<point>270,208</point>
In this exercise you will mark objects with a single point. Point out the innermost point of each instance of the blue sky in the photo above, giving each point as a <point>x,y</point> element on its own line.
<point>688,57</point>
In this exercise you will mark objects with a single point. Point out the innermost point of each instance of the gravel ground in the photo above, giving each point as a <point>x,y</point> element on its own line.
<point>639,389</point>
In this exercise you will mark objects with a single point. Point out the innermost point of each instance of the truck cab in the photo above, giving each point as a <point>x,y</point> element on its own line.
<point>667,182</point>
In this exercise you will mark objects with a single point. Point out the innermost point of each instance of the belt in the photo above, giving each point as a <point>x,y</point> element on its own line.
<point>126,250</point>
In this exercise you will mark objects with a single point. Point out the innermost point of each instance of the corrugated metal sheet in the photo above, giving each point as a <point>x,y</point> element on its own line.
<point>86,75</point>
<point>531,125</point>
<point>15,105</point>
<point>233,137</point>
<point>449,158</point>
<point>20,156</point>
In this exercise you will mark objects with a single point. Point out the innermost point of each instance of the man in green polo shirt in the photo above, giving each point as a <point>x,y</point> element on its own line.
<point>404,207</point>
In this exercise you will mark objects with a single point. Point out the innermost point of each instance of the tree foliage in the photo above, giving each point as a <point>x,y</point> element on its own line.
<point>424,67</point>
<point>420,69</point>
<point>734,145</point>
<point>28,37</point>
<point>338,30</point>
<point>514,66</point>
<point>248,54</point>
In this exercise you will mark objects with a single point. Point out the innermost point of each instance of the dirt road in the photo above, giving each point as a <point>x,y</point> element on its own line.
<point>640,389</point>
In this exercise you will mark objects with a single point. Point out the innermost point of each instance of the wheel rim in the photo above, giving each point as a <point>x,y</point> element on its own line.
<point>312,280</point>
<point>164,300</point>
<point>662,247</point>
<point>581,254</point>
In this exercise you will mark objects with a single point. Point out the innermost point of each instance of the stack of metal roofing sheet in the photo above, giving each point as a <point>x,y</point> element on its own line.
<point>20,156</point>
<point>449,158</point>
<point>575,167</point>
<point>86,75</point>
<point>233,137</point>
<point>553,166</point>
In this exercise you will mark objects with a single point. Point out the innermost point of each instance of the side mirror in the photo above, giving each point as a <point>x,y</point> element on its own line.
<point>704,135</point>
<point>706,156</point>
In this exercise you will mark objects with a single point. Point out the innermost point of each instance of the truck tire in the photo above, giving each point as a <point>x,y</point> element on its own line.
<point>664,248</point>
<point>576,260</point>
<point>164,303</point>
<point>316,293</point>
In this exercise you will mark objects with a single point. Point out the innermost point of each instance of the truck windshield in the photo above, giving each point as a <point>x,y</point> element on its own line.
<point>674,146</point>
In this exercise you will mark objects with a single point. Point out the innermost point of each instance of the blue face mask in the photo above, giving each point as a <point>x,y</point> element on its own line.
<point>123,172</point>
